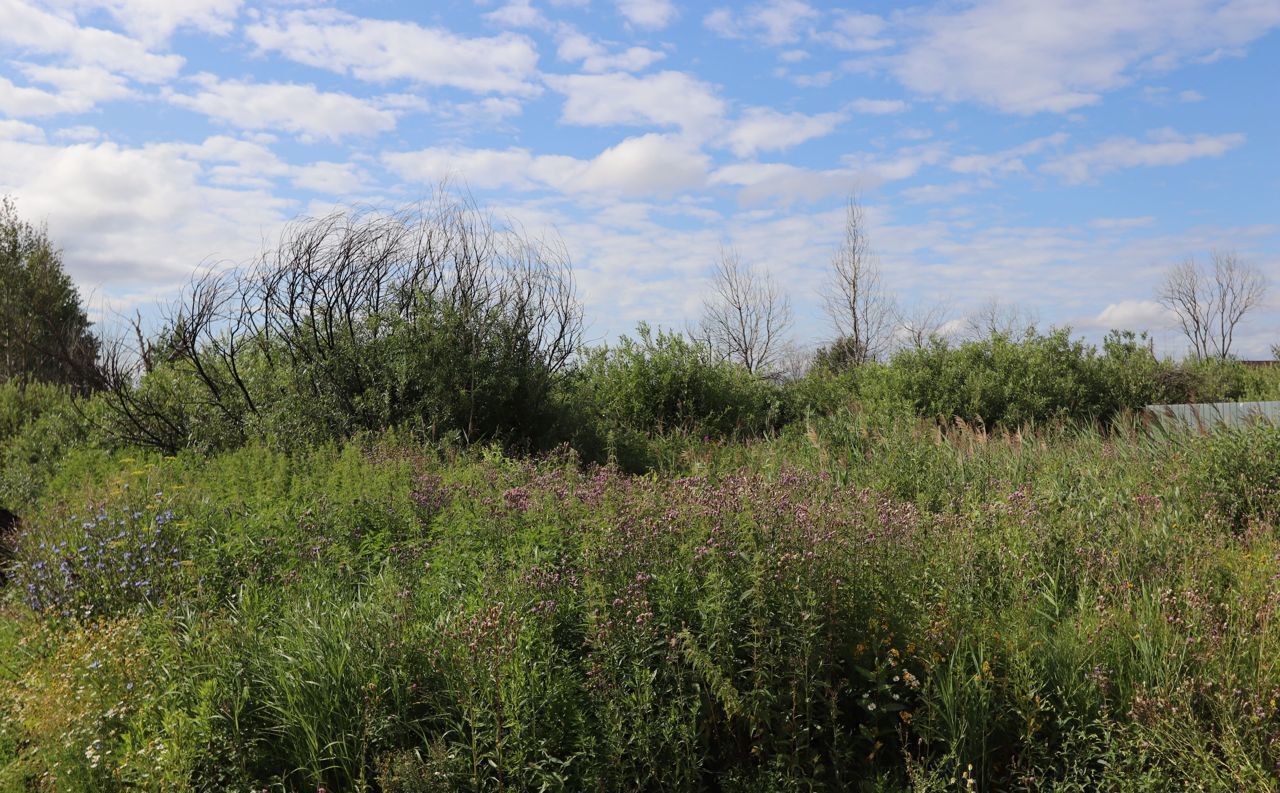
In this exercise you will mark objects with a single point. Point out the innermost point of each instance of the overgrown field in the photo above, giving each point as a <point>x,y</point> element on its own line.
<point>854,603</point>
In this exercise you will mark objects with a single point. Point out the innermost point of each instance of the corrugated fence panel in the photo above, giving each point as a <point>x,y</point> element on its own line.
<point>1214,414</point>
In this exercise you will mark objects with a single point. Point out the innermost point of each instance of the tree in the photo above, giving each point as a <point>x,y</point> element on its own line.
<point>746,318</point>
<point>44,333</point>
<point>997,318</point>
<point>859,308</point>
<point>1210,303</point>
<point>440,316</point>
<point>921,324</point>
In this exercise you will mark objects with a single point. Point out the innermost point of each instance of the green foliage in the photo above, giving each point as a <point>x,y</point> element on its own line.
<point>1003,382</point>
<point>659,387</point>
<point>39,425</point>
<point>1237,472</point>
<point>894,606</point>
<point>44,333</point>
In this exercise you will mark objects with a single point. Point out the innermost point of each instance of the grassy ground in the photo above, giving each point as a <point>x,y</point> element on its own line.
<point>852,605</point>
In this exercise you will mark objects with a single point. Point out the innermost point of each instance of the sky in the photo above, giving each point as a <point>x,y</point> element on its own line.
<point>1056,155</point>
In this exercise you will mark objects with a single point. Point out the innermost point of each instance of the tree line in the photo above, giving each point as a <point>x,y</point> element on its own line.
<point>454,323</point>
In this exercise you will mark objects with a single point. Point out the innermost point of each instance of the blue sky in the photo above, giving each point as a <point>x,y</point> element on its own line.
<point>1058,155</point>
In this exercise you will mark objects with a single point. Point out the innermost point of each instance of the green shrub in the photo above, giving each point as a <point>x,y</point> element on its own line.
<point>627,397</point>
<point>1005,382</point>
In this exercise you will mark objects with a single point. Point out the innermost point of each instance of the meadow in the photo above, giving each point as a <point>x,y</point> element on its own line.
<point>371,517</point>
<point>860,599</point>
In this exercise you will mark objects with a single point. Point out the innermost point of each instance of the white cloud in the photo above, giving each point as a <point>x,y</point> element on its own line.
<point>854,32</point>
<point>772,23</point>
<point>330,178</point>
<point>79,89</point>
<point>36,31</point>
<point>595,57</point>
<point>154,21</point>
<point>938,193</point>
<point>517,14</point>
<point>23,101</point>
<point>901,164</point>
<point>481,169</point>
<point>11,129</point>
<point>668,99</point>
<point>651,164</point>
<point>648,14</point>
<point>287,107</point>
<point>765,129</point>
<point>1165,147</point>
<point>491,111</point>
<point>878,107</point>
<point>380,50</point>
<point>761,182</point>
<point>1007,161</point>
<point>134,217</point>
<point>1130,315</point>
<point>1059,55</point>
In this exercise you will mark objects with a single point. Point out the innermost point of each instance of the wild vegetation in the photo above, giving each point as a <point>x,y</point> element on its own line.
<point>367,516</point>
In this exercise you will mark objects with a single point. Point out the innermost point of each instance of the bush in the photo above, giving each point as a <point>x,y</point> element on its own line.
<point>39,426</point>
<point>361,322</point>
<point>663,386</point>
<point>1005,382</point>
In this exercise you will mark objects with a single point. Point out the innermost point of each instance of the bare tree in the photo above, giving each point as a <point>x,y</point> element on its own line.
<point>746,317</point>
<point>341,282</point>
<point>998,318</point>
<point>918,325</point>
<point>1209,304</point>
<point>857,303</point>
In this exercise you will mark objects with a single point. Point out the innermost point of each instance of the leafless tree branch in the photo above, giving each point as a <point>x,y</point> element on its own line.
<point>747,316</point>
<point>857,303</point>
<point>1210,304</point>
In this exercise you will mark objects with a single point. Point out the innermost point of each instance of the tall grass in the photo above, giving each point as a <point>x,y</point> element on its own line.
<point>864,602</point>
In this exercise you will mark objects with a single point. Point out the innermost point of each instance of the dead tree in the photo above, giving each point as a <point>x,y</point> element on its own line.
<point>860,309</point>
<point>917,327</point>
<point>1210,304</point>
<point>747,316</point>
<point>345,281</point>
<point>998,318</point>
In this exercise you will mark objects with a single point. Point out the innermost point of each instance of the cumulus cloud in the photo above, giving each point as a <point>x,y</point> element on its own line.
<point>1060,55</point>
<point>154,21</point>
<point>772,23</point>
<point>668,99</point>
<point>286,107</point>
<point>1164,147</point>
<point>133,216</point>
<point>595,57</point>
<point>647,14</point>
<point>11,129</point>
<point>764,129</point>
<point>1009,160</point>
<point>759,182</point>
<point>1130,315</point>
<point>855,32</point>
<point>652,164</point>
<point>381,50</point>
<point>34,30</point>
